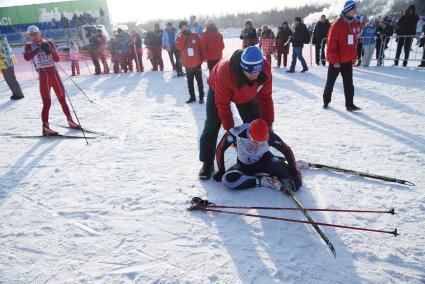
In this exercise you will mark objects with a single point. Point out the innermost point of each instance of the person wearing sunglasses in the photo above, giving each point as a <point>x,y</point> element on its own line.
<point>256,166</point>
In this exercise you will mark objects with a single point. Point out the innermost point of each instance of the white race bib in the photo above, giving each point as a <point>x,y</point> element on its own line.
<point>190,52</point>
<point>350,39</point>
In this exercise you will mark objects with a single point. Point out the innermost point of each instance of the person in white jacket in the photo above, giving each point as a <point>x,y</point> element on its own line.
<point>74,56</point>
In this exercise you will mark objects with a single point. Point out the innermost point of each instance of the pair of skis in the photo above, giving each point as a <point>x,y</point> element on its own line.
<point>61,136</point>
<point>206,206</point>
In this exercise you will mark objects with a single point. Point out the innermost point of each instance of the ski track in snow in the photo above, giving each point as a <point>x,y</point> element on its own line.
<point>115,211</point>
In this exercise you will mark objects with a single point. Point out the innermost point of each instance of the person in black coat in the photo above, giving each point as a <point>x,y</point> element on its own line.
<point>248,35</point>
<point>282,43</point>
<point>406,28</point>
<point>300,36</point>
<point>320,33</point>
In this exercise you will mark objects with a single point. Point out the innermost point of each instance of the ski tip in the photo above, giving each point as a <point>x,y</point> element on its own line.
<point>392,211</point>
<point>395,232</point>
<point>333,251</point>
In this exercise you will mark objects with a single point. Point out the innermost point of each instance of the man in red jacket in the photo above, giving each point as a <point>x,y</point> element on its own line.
<point>244,79</point>
<point>189,45</point>
<point>340,53</point>
<point>212,44</point>
<point>44,55</point>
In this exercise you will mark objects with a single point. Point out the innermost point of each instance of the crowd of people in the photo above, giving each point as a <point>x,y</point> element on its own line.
<point>244,78</point>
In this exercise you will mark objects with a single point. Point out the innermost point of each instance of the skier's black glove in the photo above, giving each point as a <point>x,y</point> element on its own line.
<point>45,46</point>
<point>218,176</point>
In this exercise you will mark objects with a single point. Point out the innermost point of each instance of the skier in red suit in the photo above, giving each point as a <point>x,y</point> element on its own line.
<point>44,55</point>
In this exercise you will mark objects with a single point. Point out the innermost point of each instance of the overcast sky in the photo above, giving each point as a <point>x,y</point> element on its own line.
<point>140,10</point>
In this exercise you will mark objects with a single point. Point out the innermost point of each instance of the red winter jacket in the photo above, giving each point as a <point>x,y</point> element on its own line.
<point>212,45</point>
<point>186,42</point>
<point>230,85</point>
<point>337,48</point>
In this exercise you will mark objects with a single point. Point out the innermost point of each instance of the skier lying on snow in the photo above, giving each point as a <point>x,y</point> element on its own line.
<point>256,165</point>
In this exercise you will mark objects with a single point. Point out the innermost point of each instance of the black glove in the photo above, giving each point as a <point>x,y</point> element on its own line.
<point>218,176</point>
<point>45,46</point>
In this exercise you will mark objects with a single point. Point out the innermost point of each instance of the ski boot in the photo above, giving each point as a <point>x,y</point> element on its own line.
<point>47,131</point>
<point>72,124</point>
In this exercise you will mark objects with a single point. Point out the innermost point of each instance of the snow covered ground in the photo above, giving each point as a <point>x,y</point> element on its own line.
<point>114,211</point>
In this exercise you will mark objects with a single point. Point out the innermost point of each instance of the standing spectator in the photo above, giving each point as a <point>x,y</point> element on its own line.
<point>7,62</point>
<point>93,49</point>
<point>123,39</point>
<point>189,44</point>
<point>194,26</point>
<point>114,49</point>
<point>136,50</point>
<point>422,44</point>
<point>360,24</point>
<point>368,35</point>
<point>406,29</point>
<point>300,36</point>
<point>282,43</point>
<point>102,43</point>
<point>212,44</point>
<point>320,33</point>
<point>384,31</point>
<point>341,53</point>
<point>74,56</point>
<point>169,44</point>
<point>245,79</point>
<point>248,35</point>
<point>267,40</point>
<point>153,42</point>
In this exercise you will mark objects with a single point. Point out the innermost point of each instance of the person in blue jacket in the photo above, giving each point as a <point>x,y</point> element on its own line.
<point>123,39</point>
<point>194,26</point>
<point>369,38</point>
<point>169,43</point>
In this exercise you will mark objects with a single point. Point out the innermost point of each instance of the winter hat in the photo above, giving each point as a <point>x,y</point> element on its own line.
<point>298,19</point>
<point>259,130</point>
<point>349,5</point>
<point>182,23</point>
<point>252,60</point>
<point>33,29</point>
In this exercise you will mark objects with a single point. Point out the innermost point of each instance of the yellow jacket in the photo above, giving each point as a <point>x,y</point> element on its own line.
<point>7,58</point>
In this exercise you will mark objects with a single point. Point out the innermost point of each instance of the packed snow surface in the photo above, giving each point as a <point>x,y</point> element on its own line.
<point>114,211</point>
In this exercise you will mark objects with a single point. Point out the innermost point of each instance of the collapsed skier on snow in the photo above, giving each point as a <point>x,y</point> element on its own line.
<point>256,165</point>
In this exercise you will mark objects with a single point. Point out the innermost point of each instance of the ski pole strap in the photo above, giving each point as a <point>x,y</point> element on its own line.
<point>362,174</point>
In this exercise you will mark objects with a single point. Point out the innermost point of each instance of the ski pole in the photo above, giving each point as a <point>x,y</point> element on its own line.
<point>362,174</point>
<point>199,202</point>
<point>206,209</point>
<point>76,116</point>
<point>69,77</point>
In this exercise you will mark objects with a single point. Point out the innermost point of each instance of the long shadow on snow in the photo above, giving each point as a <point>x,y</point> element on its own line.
<point>19,170</point>
<point>274,250</point>
<point>404,76</point>
<point>415,142</point>
<point>387,101</point>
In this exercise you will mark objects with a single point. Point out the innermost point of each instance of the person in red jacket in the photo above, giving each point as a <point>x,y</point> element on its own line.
<point>44,55</point>
<point>244,79</point>
<point>212,45</point>
<point>189,44</point>
<point>341,52</point>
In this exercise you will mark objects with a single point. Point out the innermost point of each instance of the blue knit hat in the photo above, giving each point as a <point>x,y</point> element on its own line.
<point>349,5</point>
<point>252,60</point>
